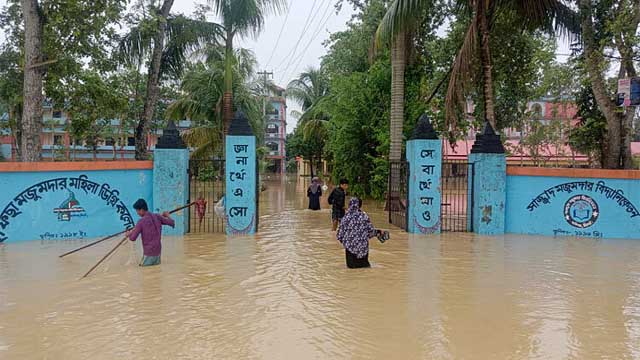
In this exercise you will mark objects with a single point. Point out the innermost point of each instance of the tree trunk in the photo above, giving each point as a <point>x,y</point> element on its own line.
<point>227,100</point>
<point>311,166</point>
<point>486,65</point>
<point>398,62</point>
<point>153,80</point>
<point>612,151</point>
<point>30,147</point>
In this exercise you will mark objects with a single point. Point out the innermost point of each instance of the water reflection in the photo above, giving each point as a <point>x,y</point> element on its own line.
<point>286,293</point>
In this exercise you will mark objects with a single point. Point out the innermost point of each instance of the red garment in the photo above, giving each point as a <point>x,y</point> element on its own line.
<point>150,226</point>
<point>201,208</point>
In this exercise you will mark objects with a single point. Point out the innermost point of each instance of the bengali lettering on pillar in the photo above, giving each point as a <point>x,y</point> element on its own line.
<point>425,160</point>
<point>240,198</point>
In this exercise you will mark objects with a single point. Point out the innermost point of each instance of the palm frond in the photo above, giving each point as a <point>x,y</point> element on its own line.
<point>553,16</point>
<point>401,15</point>
<point>183,37</point>
<point>246,17</point>
<point>461,75</point>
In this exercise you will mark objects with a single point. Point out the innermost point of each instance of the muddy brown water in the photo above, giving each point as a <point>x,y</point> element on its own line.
<point>286,294</point>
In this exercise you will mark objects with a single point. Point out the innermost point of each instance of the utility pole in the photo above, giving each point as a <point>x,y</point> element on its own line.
<point>265,93</point>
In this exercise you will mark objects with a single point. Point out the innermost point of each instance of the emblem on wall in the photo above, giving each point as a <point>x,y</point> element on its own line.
<point>581,211</point>
<point>69,208</point>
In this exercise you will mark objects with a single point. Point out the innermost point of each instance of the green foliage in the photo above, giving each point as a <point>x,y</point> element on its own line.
<point>201,97</point>
<point>588,138</point>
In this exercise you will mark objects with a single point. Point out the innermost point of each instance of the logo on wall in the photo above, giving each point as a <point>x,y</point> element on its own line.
<point>69,208</point>
<point>581,211</point>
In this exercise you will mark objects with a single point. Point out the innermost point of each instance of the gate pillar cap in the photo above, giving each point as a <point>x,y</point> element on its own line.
<point>240,125</point>
<point>170,138</point>
<point>488,142</point>
<point>424,130</point>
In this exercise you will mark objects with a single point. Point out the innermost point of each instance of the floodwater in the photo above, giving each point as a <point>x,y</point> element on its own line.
<point>286,294</point>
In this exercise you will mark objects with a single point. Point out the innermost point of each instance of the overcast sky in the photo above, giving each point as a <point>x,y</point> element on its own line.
<point>303,29</point>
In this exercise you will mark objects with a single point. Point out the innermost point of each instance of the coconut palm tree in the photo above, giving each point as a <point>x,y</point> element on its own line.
<point>165,41</point>
<point>549,15</point>
<point>203,89</point>
<point>309,90</point>
<point>242,18</point>
<point>394,31</point>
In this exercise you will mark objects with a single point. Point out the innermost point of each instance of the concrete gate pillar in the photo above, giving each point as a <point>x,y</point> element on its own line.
<point>241,178</point>
<point>424,154</point>
<point>489,183</point>
<point>171,178</point>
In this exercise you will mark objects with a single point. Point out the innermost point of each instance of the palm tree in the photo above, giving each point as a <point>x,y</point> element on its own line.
<point>310,90</point>
<point>393,29</point>
<point>548,15</point>
<point>242,18</point>
<point>203,88</point>
<point>166,41</point>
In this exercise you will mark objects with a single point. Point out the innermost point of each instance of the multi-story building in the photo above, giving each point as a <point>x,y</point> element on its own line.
<point>117,142</point>
<point>276,133</point>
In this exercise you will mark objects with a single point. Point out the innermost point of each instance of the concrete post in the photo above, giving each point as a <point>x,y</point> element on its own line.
<point>171,178</point>
<point>424,154</point>
<point>241,178</point>
<point>489,183</point>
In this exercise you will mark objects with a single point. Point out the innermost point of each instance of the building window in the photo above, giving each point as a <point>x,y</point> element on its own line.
<point>272,129</point>
<point>58,140</point>
<point>109,142</point>
<point>272,146</point>
<point>57,114</point>
<point>131,141</point>
<point>536,109</point>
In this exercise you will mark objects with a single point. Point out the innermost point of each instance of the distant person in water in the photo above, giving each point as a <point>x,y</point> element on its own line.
<point>337,201</point>
<point>201,208</point>
<point>314,192</point>
<point>354,234</point>
<point>150,227</point>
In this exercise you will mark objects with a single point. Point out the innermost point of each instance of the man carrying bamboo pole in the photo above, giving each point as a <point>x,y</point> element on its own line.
<point>150,227</point>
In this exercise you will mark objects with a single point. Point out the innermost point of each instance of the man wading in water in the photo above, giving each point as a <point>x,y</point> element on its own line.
<point>337,199</point>
<point>150,226</point>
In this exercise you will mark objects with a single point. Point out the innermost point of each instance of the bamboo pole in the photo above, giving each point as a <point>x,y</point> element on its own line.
<point>114,235</point>
<point>105,257</point>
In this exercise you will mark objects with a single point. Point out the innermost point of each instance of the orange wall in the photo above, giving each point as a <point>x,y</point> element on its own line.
<point>74,166</point>
<point>573,173</point>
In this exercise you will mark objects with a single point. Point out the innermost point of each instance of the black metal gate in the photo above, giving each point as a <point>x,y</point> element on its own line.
<point>397,204</point>
<point>457,196</point>
<point>206,188</point>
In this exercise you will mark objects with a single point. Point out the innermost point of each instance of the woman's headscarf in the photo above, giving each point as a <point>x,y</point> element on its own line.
<point>356,230</point>
<point>315,185</point>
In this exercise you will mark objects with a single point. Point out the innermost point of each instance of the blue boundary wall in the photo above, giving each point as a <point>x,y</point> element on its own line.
<point>71,200</point>
<point>573,202</point>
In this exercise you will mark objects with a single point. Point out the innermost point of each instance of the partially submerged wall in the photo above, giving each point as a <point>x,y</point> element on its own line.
<point>71,200</point>
<point>573,202</point>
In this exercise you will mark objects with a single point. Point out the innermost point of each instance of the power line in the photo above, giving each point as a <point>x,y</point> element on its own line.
<point>280,34</point>
<point>304,31</point>
<point>315,35</point>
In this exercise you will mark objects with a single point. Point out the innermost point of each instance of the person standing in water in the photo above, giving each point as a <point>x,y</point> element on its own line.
<point>354,234</point>
<point>314,192</point>
<point>150,227</point>
<point>337,201</point>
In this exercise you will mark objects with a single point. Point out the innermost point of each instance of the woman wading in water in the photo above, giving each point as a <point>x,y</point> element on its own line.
<point>314,192</point>
<point>354,234</point>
